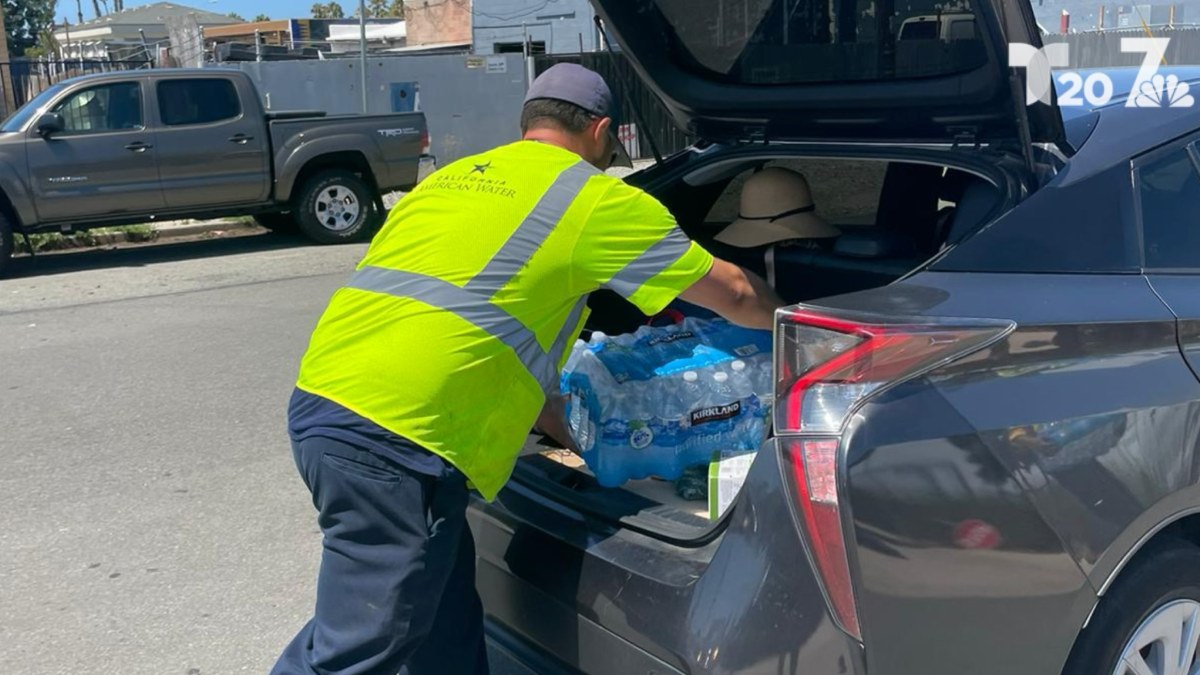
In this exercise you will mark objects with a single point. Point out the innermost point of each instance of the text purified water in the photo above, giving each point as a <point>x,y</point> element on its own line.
<point>659,400</point>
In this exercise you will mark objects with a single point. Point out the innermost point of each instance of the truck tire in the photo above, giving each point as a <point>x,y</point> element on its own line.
<point>1152,603</point>
<point>281,223</point>
<point>336,207</point>
<point>6,244</point>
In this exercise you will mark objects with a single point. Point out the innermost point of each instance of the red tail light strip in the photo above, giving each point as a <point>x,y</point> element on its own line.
<point>841,374</point>
<point>818,506</point>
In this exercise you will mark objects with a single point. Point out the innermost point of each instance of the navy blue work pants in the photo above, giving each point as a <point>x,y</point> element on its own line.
<point>396,591</point>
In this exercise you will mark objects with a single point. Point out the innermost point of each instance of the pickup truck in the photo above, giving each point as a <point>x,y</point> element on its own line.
<point>139,146</point>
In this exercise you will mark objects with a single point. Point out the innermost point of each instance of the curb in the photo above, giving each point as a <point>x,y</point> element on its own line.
<point>203,227</point>
<point>86,239</point>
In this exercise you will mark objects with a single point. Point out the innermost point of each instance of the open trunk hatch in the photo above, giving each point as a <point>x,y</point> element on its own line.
<point>736,70</point>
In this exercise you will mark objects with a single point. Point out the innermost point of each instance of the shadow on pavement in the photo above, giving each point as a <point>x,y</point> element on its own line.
<point>139,255</point>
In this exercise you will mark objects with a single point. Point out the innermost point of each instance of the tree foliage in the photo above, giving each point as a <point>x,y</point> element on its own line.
<point>262,17</point>
<point>26,22</point>
<point>330,10</point>
<point>236,17</point>
<point>384,9</point>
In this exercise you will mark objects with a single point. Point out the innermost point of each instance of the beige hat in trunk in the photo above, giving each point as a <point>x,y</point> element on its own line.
<point>776,205</point>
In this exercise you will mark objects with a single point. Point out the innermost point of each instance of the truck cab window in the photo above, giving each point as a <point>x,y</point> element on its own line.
<point>111,107</point>
<point>197,101</point>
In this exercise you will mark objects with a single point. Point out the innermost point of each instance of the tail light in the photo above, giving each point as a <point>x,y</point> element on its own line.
<point>426,145</point>
<point>827,366</point>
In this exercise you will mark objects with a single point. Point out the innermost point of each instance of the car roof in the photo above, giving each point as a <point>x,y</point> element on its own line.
<point>1122,79</point>
<point>1115,133</point>
<point>154,72</point>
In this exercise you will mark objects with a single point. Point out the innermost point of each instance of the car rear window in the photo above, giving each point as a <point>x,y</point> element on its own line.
<point>1169,196</point>
<point>803,41</point>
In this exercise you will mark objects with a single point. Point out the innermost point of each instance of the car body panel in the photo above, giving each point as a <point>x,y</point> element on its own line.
<point>213,164</point>
<point>77,173</point>
<point>1091,407</point>
<point>698,610</point>
<point>391,147</point>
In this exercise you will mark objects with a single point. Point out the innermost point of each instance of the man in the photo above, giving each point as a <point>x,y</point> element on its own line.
<point>430,367</point>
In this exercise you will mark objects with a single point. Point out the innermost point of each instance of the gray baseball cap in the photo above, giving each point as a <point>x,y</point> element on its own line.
<point>585,88</point>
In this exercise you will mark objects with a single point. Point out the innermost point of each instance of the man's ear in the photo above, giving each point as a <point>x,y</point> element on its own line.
<point>601,131</point>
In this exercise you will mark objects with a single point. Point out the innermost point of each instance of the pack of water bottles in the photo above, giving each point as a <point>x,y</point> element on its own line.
<point>654,402</point>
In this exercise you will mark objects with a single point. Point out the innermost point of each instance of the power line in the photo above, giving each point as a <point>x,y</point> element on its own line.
<point>518,15</point>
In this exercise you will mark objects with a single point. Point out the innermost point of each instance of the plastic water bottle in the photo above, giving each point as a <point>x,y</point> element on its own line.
<point>739,378</point>
<point>723,387</point>
<point>573,358</point>
<point>691,387</point>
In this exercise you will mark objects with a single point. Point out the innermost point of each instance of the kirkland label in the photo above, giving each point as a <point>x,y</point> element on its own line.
<point>667,339</point>
<point>715,413</point>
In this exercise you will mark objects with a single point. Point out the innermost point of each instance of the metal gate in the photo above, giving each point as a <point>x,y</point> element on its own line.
<point>31,77</point>
<point>640,116</point>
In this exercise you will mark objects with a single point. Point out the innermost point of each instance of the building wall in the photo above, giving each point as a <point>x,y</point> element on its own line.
<point>451,87</point>
<point>563,26</point>
<point>431,22</point>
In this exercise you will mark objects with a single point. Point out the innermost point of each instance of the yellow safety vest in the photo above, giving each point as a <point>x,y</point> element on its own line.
<point>456,324</point>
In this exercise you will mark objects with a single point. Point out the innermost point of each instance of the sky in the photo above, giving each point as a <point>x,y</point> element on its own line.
<point>276,9</point>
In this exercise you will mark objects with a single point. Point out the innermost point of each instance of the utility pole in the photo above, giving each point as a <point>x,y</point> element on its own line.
<point>362,49</point>
<point>10,101</point>
<point>79,10</point>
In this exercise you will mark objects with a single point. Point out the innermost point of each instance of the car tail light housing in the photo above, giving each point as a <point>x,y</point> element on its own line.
<point>426,145</point>
<point>827,365</point>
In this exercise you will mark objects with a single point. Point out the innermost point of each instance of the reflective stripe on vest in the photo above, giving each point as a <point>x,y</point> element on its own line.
<point>652,261</point>
<point>534,230</point>
<point>471,302</point>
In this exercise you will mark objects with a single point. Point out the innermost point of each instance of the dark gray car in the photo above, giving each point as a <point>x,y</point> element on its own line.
<point>984,456</point>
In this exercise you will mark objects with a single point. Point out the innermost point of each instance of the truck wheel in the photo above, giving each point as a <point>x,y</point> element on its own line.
<point>282,223</point>
<point>1143,624</point>
<point>6,244</point>
<point>336,207</point>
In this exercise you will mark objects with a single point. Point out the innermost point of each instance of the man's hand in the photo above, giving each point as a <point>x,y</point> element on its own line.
<point>552,421</point>
<point>740,296</point>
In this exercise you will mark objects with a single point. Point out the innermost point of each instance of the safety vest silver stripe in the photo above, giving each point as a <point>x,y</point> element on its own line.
<point>468,306</point>
<point>529,236</point>
<point>664,253</point>
<point>563,341</point>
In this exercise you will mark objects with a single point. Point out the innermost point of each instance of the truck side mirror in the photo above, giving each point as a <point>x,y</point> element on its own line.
<point>49,124</point>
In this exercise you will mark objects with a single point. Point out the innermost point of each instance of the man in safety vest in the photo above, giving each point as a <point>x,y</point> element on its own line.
<point>429,368</point>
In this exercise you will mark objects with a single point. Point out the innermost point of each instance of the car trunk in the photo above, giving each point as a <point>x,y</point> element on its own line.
<point>894,215</point>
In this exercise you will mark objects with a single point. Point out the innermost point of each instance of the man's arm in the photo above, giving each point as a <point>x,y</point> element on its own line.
<point>552,422</point>
<point>740,296</point>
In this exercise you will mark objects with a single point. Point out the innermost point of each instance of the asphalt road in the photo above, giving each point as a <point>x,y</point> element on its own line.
<point>151,519</point>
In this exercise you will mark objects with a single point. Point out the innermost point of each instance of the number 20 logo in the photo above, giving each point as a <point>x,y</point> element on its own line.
<point>1094,82</point>
<point>1149,90</point>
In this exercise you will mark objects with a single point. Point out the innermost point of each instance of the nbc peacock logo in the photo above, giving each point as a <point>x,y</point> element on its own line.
<point>1163,92</point>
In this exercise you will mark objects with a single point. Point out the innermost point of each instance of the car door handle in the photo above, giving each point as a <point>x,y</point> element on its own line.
<point>240,139</point>
<point>138,146</point>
